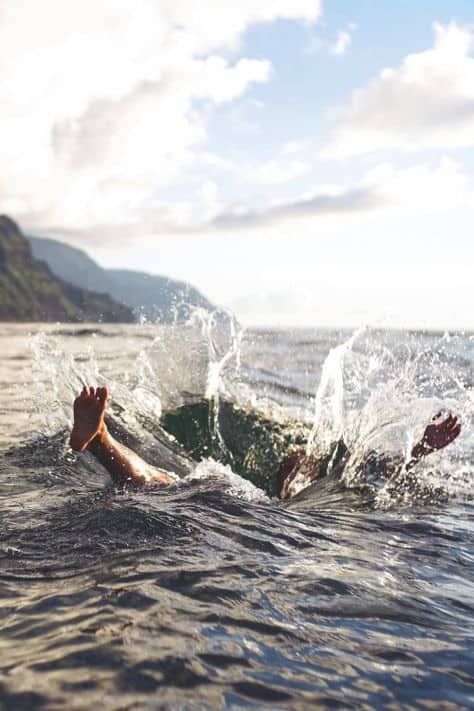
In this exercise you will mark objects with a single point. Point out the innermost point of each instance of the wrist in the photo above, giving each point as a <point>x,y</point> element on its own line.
<point>420,450</point>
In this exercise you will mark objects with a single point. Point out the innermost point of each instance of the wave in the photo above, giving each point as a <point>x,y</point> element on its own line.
<point>211,589</point>
<point>202,392</point>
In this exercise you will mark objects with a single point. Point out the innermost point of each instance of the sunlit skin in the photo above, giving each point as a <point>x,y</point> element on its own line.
<point>90,432</point>
<point>436,436</point>
<point>128,468</point>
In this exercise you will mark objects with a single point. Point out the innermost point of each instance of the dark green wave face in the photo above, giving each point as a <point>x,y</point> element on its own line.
<point>254,447</point>
<point>251,444</point>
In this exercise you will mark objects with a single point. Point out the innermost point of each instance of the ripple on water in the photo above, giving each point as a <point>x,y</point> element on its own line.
<point>211,594</point>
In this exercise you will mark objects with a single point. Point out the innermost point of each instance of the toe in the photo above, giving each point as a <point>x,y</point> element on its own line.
<point>450,426</point>
<point>102,394</point>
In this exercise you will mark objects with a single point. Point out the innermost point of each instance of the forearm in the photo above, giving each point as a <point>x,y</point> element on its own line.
<point>417,453</point>
<point>420,450</point>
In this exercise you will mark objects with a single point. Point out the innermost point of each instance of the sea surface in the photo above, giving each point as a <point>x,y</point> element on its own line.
<point>212,593</point>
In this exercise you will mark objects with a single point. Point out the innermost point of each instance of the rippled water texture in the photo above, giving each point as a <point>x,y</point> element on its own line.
<point>212,593</point>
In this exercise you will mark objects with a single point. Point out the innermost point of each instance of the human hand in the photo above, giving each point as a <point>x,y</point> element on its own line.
<point>438,435</point>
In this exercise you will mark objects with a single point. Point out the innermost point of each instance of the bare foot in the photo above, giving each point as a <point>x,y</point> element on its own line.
<point>89,409</point>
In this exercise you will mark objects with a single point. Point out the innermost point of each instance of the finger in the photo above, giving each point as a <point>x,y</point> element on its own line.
<point>448,421</point>
<point>449,424</point>
<point>91,392</point>
<point>445,424</point>
<point>83,392</point>
<point>455,432</point>
<point>454,423</point>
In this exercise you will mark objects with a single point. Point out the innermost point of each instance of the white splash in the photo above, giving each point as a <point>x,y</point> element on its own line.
<point>225,480</point>
<point>223,343</point>
<point>328,423</point>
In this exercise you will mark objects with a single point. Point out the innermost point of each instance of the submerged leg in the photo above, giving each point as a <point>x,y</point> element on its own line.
<point>90,432</point>
<point>297,471</point>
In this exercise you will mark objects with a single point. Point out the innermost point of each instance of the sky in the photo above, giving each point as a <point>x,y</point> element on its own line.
<point>302,162</point>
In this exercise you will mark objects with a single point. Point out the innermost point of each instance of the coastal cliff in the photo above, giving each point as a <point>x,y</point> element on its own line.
<point>29,291</point>
<point>158,298</point>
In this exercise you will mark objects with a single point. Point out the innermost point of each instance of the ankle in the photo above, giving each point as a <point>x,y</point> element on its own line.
<point>101,438</point>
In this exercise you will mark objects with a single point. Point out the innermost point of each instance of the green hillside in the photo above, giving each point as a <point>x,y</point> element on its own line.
<point>156,297</point>
<point>29,291</point>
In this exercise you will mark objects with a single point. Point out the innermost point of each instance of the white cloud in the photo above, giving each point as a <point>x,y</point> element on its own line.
<point>296,146</point>
<point>387,190</point>
<point>208,197</point>
<point>342,43</point>
<point>275,171</point>
<point>337,47</point>
<point>423,189</point>
<point>99,99</point>
<point>334,202</point>
<point>292,161</point>
<point>420,189</point>
<point>428,102</point>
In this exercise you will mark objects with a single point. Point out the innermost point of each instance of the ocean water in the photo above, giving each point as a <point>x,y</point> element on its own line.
<point>359,593</point>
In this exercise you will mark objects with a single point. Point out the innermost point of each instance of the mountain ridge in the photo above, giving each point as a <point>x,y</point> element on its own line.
<point>154,296</point>
<point>30,291</point>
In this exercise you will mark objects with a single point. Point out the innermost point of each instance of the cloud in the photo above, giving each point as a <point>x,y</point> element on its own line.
<point>387,190</point>
<point>430,188</point>
<point>342,43</point>
<point>336,202</point>
<point>296,146</point>
<point>427,102</point>
<point>426,188</point>
<point>102,103</point>
<point>337,47</point>
<point>179,218</point>
<point>153,123</point>
<point>292,161</point>
<point>287,164</point>
<point>276,172</point>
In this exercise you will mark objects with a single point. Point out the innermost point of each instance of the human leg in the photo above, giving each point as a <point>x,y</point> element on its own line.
<point>90,432</point>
